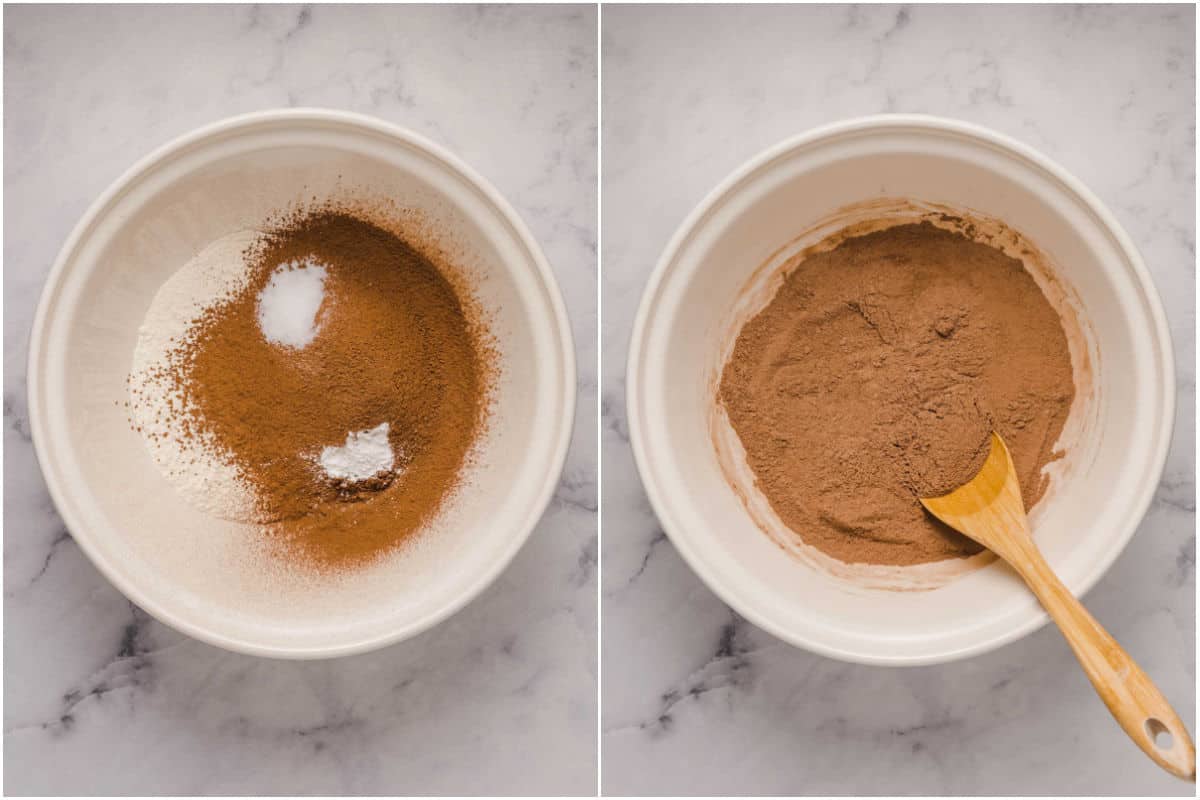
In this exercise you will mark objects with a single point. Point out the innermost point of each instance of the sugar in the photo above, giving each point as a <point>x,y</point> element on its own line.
<point>288,304</point>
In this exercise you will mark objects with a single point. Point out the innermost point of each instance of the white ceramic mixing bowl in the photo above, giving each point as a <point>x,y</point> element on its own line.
<point>185,567</point>
<point>1124,422</point>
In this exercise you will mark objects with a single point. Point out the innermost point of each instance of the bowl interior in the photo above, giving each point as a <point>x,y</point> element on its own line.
<point>1104,483</point>
<point>192,570</point>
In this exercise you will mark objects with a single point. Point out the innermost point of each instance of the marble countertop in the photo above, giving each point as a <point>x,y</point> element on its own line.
<point>696,700</point>
<point>101,699</point>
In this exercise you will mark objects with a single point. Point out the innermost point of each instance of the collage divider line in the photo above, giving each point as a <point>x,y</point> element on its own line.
<point>599,395</point>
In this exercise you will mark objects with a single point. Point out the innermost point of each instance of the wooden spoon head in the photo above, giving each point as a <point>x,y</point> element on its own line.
<point>988,508</point>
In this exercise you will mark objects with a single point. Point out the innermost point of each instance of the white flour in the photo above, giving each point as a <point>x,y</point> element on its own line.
<point>364,455</point>
<point>206,480</point>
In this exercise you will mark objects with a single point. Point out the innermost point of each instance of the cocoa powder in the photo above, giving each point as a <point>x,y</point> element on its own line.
<point>874,377</point>
<point>396,343</point>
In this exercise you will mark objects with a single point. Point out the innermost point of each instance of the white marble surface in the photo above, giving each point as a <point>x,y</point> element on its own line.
<point>696,700</point>
<point>99,698</point>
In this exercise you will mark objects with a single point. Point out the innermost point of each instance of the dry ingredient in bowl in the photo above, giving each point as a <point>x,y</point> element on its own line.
<point>874,376</point>
<point>342,379</point>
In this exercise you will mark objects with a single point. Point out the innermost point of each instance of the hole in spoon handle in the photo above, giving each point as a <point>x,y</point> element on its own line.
<point>1159,734</point>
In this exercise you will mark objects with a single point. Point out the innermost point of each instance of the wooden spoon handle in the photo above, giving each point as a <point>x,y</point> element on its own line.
<point>1134,700</point>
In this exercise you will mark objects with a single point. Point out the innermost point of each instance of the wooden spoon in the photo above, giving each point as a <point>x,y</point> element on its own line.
<point>989,510</point>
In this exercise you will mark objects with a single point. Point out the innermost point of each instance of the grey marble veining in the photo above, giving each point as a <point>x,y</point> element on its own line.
<point>696,700</point>
<point>101,699</point>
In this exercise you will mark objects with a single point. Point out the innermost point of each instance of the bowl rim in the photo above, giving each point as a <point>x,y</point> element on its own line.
<point>1159,333</point>
<point>47,458</point>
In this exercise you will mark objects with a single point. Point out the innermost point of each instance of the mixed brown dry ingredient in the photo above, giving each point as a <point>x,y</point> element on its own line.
<point>395,344</point>
<point>874,377</point>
